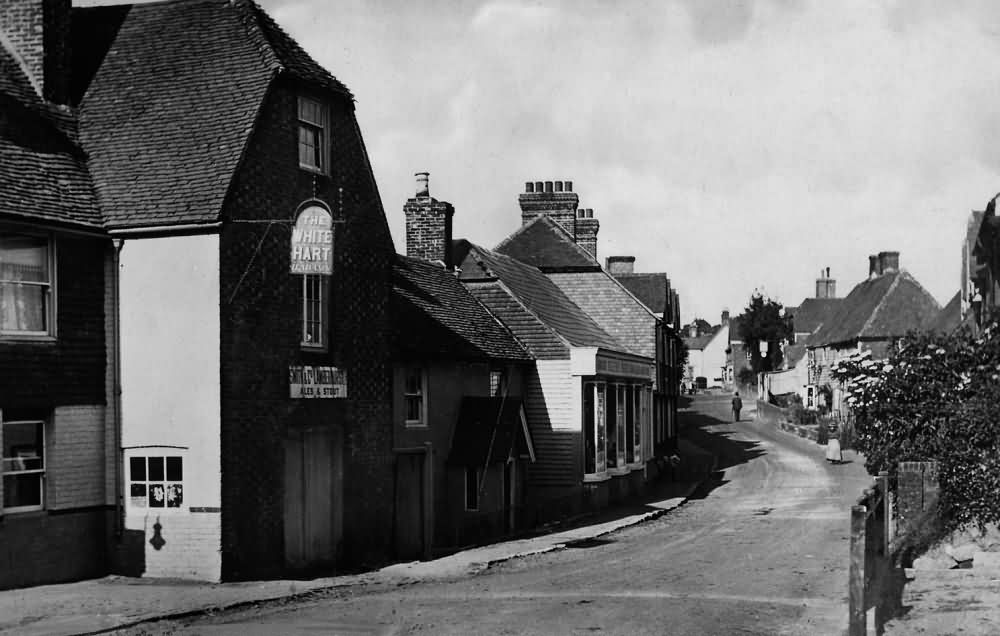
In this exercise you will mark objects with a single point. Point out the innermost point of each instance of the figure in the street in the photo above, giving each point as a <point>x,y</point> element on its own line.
<point>833,453</point>
<point>737,405</point>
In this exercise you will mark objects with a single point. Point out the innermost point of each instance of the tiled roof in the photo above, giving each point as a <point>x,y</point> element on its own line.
<point>546,245</point>
<point>612,307</point>
<point>650,289</point>
<point>435,316</point>
<point>812,313</point>
<point>793,353</point>
<point>169,112</point>
<point>698,343</point>
<point>43,174</point>
<point>879,308</point>
<point>537,337</point>
<point>487,430</point>
<point>949,318</point>
<point>536,293</point>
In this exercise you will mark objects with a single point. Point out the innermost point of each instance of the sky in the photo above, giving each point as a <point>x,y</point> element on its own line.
<point>736,145</point>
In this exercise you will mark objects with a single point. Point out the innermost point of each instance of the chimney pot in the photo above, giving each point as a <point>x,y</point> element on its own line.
<point>888,262</point>
<point>873,266</point>
<point>569,186</point>
<point>559,186</point>
<point>539,187</point>
<point>529,186</point>
<point>423,187</point>
<point>548,186</point>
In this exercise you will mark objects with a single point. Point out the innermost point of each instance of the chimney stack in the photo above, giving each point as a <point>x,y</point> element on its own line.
<point>725,317</point>
<point>888,262</point>
<point>428,225</point>
<point>555,199</point>
<point>586,231</point>
<point>39,31</point>
<point>620,265</point>
<point>826,287</point>
<point>692,331</point>
<point>873,267</point>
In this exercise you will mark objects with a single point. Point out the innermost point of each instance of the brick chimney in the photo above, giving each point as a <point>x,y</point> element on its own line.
<point>874,271</point>
<point>620,265</point>
<point>586,230</point>
<point>553,198</point>
<point>428,225</point>
<point>725,317</point>
<point>888,262</point>
<point>38,30</point>
<point>826,287</point>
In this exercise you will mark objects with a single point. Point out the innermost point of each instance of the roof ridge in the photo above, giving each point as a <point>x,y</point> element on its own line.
<point>9,47</point>
<point>247,11</point>
<point>517,232</point>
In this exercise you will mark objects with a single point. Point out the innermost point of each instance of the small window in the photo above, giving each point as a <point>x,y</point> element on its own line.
<point>156,481</point>
<point>312,135</point>
<point>315,310</point>
<point>498,383</point>
<point>471,488</point>
<point>26,282</point>
<point>413,397</point>
<point>23,465</point>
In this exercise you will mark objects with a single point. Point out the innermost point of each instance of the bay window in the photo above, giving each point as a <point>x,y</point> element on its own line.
<point>26,285</point>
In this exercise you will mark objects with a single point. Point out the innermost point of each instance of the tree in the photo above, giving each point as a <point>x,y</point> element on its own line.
<point>763,320</point>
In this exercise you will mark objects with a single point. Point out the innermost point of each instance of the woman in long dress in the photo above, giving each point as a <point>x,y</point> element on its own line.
<point>833,453</point>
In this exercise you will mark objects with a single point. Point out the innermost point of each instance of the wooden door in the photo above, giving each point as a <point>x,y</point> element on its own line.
<point>309,499</point>
<point>409,507</point>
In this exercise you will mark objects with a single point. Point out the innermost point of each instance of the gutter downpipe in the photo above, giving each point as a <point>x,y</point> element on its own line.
<point>116,290</point>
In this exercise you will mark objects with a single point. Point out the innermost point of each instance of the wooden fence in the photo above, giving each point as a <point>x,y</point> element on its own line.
<point>870,565</point>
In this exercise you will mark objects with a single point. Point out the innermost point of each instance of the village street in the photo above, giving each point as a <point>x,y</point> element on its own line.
<point>760,550</point>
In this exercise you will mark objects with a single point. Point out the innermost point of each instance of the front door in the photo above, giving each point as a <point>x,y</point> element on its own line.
<point>410,505</point>
<point>309,497</point>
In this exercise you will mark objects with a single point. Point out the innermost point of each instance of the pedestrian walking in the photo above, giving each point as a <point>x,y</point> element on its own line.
<point>737,405</point>
<point>833,454</point>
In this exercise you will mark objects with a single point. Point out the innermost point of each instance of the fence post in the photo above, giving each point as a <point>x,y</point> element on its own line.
<point>883,486</point>
<point>856,573</point>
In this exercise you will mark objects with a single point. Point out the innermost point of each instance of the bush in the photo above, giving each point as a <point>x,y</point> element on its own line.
<point>934,399</point>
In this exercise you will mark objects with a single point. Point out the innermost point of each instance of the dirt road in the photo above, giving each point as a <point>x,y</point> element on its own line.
<point>760,550</point>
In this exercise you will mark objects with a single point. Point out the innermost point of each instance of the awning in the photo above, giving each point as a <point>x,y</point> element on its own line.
<point>489,430</point>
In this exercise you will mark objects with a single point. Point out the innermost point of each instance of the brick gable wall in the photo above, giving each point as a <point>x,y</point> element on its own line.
<point>261,327</point>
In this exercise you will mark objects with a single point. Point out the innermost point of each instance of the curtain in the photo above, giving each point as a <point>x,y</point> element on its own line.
<point>24,283</point>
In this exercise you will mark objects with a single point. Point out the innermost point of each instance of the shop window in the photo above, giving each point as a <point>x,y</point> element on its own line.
<point>611,419</point>
<point>621,427</point>
<point>313,135</point>
<point>629,421</point>
<point>471,488</point>
<point>315,310</point>
<point>637,422</point>
<point>594,428</point>
<point>413,397</point>
<point>26,285</point>
<point>23,465</point>
<point>156,481</point>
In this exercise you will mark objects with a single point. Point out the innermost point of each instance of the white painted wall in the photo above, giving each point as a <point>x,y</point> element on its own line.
<point>171,390</point>
<point>554,396</point>
<point>714,357</point>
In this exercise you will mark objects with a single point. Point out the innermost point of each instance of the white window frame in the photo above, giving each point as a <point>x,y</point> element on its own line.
<point>498,382</point>
<point>41,472</point>
<point>600,388</point>
<point>322,126</point>
<point>50,294</point>
<point>475,474</point>
<point>422,374</point>
<point>323,311</point>
<point>146,453</point>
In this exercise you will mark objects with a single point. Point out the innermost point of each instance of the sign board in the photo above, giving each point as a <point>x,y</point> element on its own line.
<point>312,241</point>
<point>317,382</point>
<point>625,368</point>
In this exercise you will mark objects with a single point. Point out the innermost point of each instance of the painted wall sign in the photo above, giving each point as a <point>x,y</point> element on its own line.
<point>317,382</point>
<point>312,241</point>
<point>614,366</point>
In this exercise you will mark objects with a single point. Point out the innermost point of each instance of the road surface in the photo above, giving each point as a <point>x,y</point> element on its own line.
<point>759,550</point>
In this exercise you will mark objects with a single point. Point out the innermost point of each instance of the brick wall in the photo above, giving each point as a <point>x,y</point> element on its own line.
<point>917,489</point>
<point>428,229</point>
<point>261,329</point>
<point>40,548</point>
<point>39,30</point>
<point>70,370</point>
<point>189,547</point>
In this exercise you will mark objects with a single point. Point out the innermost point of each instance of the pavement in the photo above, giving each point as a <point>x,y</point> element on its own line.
<point>115,602</point>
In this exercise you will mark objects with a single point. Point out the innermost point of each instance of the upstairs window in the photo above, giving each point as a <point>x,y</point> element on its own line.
<point>498,383</point>
<point>413,397</point>
<point>313,135</point>
<point>315,311</point>
<point>23,465</point>
<point>26,285</point>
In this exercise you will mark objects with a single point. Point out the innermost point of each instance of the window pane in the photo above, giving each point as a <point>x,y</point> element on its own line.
<point>157,494</point>
<point>310,144</point>
<point>413,381</point>
<point>155,469</point>
<point>23,307</point>
<point>174,469</point>
<point>22,490</point>
<point>310,110</point>
<point>313,308</point>
<point>612,426</point>
<point>137,490</point>
<point>137,470</point>
<point>589,434</point>
<point>22,446</point>
<point>175,495</point>
<point>414,406</point>
<point>629,426</point>
<point>24,258</point>
<point>602,441</point>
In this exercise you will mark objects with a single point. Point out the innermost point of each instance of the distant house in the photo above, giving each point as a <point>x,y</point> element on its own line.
<point>707,358</point>
<point>460,429</point>
<point>877,312</point>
